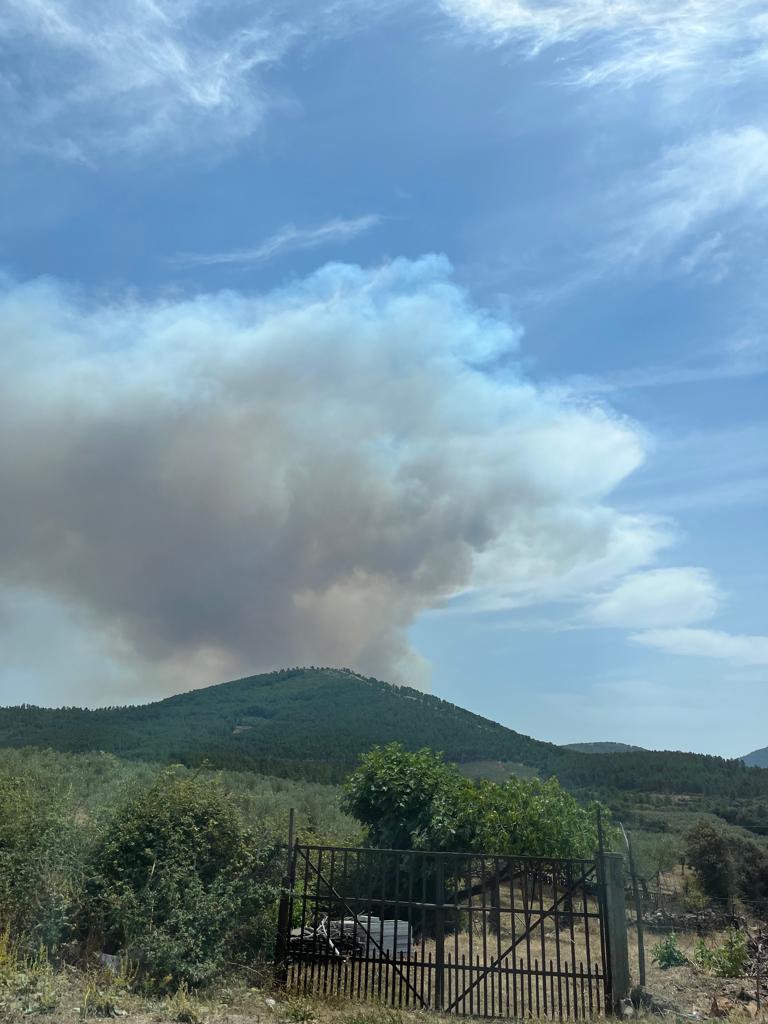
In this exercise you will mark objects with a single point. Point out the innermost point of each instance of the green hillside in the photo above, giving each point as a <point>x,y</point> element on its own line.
<point>313,723</point>
<point>310,723</point>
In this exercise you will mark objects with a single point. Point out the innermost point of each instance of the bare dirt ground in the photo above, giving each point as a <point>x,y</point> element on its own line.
<point>690,993</point>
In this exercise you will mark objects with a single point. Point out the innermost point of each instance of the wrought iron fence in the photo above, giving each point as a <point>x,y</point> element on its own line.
<point>490,936</point>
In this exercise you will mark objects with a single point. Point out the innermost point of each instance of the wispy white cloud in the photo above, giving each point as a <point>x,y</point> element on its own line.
<point>623,42</point>
<point>708,643</point>
<point>657,598</point>
<point>738,358</point>
<point>688,211</point>
<point>693,196</point>
<point>705,469</point>
<point>81,80</point>
<point>125,77</point>
<point>288,239</point>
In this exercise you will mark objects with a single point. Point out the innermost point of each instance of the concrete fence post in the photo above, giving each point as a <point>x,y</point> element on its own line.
<point>615,916</point>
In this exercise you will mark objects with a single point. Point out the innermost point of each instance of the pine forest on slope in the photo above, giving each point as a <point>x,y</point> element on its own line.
<point>314,723</point>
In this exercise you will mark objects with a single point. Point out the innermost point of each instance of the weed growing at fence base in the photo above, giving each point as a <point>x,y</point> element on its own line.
<point>726,960</point>
<point>667,953</point>
<point>28,984</point>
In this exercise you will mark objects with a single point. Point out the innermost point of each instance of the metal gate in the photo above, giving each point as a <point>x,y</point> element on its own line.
<point>490,936</point>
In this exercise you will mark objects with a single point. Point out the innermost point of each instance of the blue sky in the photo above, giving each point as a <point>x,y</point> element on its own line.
<point>430,342</point>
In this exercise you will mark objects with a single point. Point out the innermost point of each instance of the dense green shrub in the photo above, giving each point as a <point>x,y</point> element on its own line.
<point>418,801</point>
<point>728,866</point>
<point>181,885</point>
<point>42,852</point>
<point>57,814</point>
<point>708,852</point>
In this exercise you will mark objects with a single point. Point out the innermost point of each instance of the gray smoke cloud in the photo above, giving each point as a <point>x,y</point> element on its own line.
<point>196,489</point>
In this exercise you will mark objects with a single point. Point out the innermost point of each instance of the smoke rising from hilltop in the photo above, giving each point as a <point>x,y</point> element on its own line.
<point>196,489</point>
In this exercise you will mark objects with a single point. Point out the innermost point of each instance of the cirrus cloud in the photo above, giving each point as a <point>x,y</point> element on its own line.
<point>629,41</point>
<point>289,238</point>
<point>82,81</point>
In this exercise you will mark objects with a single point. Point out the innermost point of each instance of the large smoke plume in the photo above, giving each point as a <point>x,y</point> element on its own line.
<point>195,489</point>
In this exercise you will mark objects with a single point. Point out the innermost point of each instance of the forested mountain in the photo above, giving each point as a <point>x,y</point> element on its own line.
<point>757,759</point>
<point>299,722</point>
<point>601,748</point>
<point>313,723</point>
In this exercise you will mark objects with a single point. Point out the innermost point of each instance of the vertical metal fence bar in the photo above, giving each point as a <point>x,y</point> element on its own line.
<point>587,943</point>
<point>542,937</point>
<point>383,967</point>
<point>551,989</point>
<point>567,991</point>
<point>513,930</point>
<point>528,894</point>
<point>497,922</point>
<point>304,893</point>
<point>489,1012</point>
<point>332,959</point>
<point>571,931</point>
<point>439,931</point>
<point>604,938</point>
<point>396,912</point>
<point>597,991</point>
<point>315,962</point>
<point>409,951</point>
<point>422,953</point>
<point>455,925</point>
<point>556,919</point>
<point>344,969</point>
<point>471,930</point>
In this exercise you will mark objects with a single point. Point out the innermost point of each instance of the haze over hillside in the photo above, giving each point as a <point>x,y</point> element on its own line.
<point>315,722</point>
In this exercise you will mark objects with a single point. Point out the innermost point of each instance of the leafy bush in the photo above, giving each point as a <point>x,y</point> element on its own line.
<point>667,953</point>
<point>180,884</point>
<point>42,852</point>
<point>726,961</point>
<point>654,853</point>
<point>708,852</point>
<point>409,800</point>
<point>694,897</point>
<point>728,866</point>
<point>417,801</point>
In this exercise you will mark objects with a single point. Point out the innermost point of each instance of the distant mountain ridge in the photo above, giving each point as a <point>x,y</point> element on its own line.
<point>315,722</point>
<point>605,747</point>
<point>757,758</point>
